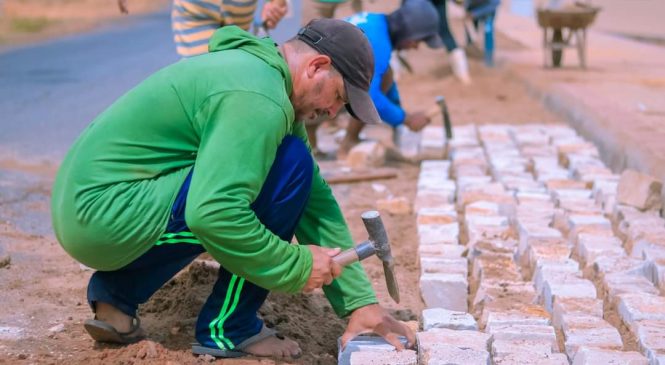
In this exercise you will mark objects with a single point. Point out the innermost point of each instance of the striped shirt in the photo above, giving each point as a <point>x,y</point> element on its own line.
<point>194,21</point>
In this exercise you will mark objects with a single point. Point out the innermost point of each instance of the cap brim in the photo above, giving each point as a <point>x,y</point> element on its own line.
<point>434,41</point>
<point>361,105</point>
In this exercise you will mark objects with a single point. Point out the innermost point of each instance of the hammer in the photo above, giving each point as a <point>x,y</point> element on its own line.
<point>442,109</point>
<point>260,27</point>
<point>378,244</point>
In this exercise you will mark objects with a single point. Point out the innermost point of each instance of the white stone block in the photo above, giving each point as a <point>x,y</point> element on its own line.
<point>435,183</point>
<point>473,220</point>
<point>484,208</point>
<point>437,265</point>
<point>529,233</point>
<point>436,166</point>
<point>494,267</point>
<point>443,215</point>
<point>397,205</point>
<point>429,198</point>
<point>516,332</point>
<point>532,347</point>
<point>650,336</point>
<point>575,306</point>
<point>639,190</point>
<point>639,307</point>
<point>429,234</point>
<point>589,247</point>
<point>610,264</point>
<point>594,356</point>
<point>590,332</point>
<point>405,357</point>
<point>495,318</point>
<point>443,318</point>
<point>439,346</point>
<point>366,154</point>
<point>432,143</point>
<point>588,224</point>
<point>528,359</point>
<point>443,250</point>
<point>550,270</point>
<point>619,283</point>
<point>571,288</point>
<point>447,291</point>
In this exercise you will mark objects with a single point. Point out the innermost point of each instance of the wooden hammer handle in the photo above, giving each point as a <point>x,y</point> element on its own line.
<point>346,257</point>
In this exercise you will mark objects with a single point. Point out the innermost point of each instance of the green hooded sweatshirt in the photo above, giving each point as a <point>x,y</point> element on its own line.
<point>225,112</point>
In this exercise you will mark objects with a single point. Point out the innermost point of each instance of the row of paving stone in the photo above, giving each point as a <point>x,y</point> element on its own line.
<point>533,252</point>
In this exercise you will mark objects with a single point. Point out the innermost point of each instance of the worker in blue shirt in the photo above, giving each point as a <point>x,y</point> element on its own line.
<point>414,22</point>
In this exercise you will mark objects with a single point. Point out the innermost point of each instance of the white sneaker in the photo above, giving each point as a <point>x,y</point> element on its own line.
<point>460,66</point>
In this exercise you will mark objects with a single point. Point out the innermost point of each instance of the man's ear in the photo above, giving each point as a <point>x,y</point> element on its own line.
<point>318,63</point>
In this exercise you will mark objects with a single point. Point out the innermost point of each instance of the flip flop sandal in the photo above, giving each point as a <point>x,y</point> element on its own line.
<point>265,332</point>
<point>101,331</point>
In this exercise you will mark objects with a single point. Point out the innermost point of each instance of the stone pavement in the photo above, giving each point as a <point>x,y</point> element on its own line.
<point>618,103</point>
<point>528,255</point>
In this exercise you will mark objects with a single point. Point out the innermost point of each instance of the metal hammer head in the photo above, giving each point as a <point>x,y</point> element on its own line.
<point>379,239</point>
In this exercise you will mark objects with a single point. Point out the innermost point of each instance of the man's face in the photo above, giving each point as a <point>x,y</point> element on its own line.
<point>320,92</point>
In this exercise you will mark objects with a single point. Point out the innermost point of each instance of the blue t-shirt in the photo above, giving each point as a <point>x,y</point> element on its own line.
<point>375,27</point>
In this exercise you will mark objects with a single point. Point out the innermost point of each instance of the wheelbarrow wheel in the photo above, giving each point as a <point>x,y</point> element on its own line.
<point>557,54</point>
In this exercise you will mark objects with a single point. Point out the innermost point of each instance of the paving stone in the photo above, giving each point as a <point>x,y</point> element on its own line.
<point>533,151</point>
<point>532,347</point>
<point>482,208</point>
<point>443,318</point>
<point>526,315</point>
<point>580,206</point>
<point>577,160</point>
<point>445,346</point>
<point>639,190</point>
<point>555,184</point>
<point>612,264</point>
<point>594,356</point>
<point>655,271</point>
<point>538,252</point>
<point>587,224</point>
<point>589,247</point>
<point>496,267</point>
<point>447,291</point>
<point>438,233</point>
<point>549,270</point>
<point>476,233</point>
<point>639,307</point>
<point>442,215</point>
<point>478,182</point>
<point>496,292</point>
<point>513,332</point>
<point>378,347</point>
<point>435,183</point>
<point>436,166</point>
<point>437,265</point>
<point>589,332</point>
<point>650,336</point>
<point>575,306</point>
<point>397,205</point>
<point>366,154</point>
<point>429,198</point>
<point>570,288</point>
<point>473,221</point>
<point>615,284</point>
<point>637,248</point>
<point>529,234</point>
<point>405,357</point>
<point>468,197</point>
<point>486,246</point>
<point>464,170</point>
<point>432,143</point>
<point>442,250</point>
<point>563,194</point>
<point>526,197</point>
<point>529,359</point>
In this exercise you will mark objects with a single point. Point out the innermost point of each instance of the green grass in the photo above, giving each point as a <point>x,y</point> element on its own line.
<point>30,25</point>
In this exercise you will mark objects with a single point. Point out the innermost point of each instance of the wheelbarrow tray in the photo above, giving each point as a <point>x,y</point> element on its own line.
<point>578,16</point>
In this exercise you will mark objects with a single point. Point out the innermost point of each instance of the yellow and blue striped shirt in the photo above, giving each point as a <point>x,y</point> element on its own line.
<point>194,21</point>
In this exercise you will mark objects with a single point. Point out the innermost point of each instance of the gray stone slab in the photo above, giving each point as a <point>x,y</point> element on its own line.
<point>639,307</point>
<point>443,318</point>
<point>447,291</point>
<point>594,356</point>
<point>371,344</point>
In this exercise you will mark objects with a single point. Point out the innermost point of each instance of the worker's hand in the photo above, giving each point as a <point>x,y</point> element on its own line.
<point>122,5</point>
<point>272,13</point>
<point>416,121</point>
<point>324,269</point>
<point>373,318</point>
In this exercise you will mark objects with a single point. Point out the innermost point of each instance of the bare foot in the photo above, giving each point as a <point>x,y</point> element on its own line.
<point>276,347</point>
<point>113,316</point>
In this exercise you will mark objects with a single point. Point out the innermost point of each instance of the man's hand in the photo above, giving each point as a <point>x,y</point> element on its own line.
<point>324,269</point>
<point>416,121</point>
<point>272,13</point>
<point>373,318</point>
<point>122,5</point>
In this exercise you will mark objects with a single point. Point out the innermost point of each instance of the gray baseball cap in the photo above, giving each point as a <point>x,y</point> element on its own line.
<point>416,20</point>
<point>351,55</point>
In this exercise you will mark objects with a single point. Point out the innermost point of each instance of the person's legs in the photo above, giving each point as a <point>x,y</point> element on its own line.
<point>325,9</point>
<point>444,30</point>
<point>229,316</point>
<point>351,138</point>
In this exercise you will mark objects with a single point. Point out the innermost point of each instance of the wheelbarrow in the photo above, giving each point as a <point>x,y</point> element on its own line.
<point>560,26</point>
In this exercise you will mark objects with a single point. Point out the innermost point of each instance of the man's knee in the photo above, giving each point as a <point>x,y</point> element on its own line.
<point>294,155</point>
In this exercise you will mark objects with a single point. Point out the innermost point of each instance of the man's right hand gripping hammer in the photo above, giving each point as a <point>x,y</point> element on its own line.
<point>324,269</point>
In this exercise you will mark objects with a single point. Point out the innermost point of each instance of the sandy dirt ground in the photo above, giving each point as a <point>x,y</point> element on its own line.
<point>43,290</point>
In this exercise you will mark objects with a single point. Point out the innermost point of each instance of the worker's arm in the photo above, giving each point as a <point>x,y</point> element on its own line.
<point>322,223</point>
<point>384,94</point>
<point>239,136</point>
<point>273,11</point>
